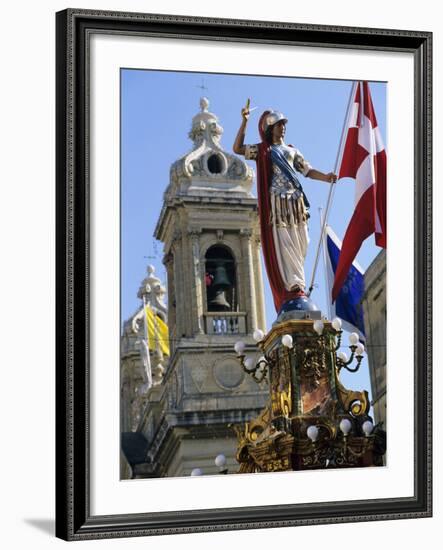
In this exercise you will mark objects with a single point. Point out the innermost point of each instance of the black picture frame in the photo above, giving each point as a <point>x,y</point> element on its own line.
<point>74,27</point>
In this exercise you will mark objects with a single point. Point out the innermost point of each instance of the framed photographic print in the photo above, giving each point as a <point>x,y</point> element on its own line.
<point>243,274</point>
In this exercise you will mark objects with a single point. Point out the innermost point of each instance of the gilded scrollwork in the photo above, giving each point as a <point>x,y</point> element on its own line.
<point>353,402</point>
<point>312,420</point>
<point>311,360</point>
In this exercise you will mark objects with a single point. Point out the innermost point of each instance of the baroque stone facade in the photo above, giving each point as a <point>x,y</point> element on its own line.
<point>374,308</point>
<point>209,228</point>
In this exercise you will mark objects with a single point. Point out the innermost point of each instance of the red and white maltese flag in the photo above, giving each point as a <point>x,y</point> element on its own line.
<point>362,157</point>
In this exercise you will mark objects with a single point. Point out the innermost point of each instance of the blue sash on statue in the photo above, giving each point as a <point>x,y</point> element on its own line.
<point>278,158</point>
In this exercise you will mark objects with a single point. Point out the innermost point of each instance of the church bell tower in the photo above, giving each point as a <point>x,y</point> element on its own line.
<point>209,227</point>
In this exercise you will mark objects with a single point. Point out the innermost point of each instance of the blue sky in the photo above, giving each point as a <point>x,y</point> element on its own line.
<point>156,113</point>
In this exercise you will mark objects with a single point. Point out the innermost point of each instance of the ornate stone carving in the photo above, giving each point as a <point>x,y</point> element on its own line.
<point>205,126</point>
<point>246,233</point>
<point>226,373</point>
<point>153,292</point>
<point>208,161</point>
<point>194,232</point>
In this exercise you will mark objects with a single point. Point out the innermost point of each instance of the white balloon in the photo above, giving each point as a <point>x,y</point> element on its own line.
<point>220,460</point>
<point>360,349</point>
<point>258,335</point>
<point>367,427</point>
<point>318,327</point>
<point>239,347</point>
<point>336,323</point>
<point>287,340</point>
<point>345,426</point>
<point>312,433</point>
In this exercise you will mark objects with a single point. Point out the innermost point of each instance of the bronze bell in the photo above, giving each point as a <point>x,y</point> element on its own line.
<point>220,285</point>
<point>221,277</point>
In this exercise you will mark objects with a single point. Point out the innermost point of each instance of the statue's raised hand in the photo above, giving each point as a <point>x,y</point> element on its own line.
<point>245,112</point>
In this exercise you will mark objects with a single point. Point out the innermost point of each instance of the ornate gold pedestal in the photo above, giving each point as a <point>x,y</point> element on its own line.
<point>305,390</point>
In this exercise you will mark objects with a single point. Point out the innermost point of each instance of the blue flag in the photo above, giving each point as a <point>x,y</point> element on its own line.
<point>348,306</point>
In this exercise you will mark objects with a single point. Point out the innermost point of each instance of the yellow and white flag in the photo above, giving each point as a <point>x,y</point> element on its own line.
<point>157,331</point>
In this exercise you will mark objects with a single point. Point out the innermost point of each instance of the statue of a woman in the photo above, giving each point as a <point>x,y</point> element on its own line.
<point>283,206</point>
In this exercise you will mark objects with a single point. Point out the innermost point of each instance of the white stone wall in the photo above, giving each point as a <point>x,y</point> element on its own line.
<point>374,308</point>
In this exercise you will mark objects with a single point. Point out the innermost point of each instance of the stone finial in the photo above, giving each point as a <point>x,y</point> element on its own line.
<point>208,161</point>
<point>205,131</point>
<point>152,290</point>
<point>204,104</point>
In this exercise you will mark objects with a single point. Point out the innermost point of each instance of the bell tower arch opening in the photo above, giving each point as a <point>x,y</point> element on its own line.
<point>220,279</point>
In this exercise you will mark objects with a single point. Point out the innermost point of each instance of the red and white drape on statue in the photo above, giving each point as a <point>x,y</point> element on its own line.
<point>283,227</point>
